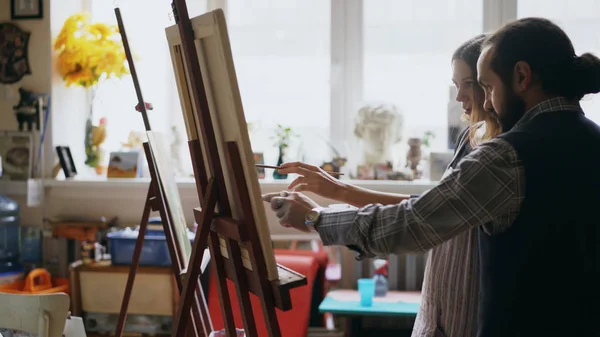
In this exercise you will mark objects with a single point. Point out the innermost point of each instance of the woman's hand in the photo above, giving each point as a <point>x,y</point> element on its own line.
<point>314,179</point>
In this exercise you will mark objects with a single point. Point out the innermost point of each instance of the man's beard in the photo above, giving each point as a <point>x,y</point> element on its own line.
<point>513,108</point>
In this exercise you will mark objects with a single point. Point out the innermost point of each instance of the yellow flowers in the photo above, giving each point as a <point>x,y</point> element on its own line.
<point>88,52</point>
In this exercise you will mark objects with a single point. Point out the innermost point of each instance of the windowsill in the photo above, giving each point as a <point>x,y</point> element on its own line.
<point>127,187</point>
<point>123,188</point>
<point>131,182</point>
<point>92,186</point>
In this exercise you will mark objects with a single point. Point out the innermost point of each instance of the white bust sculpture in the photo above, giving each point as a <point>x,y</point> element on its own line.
<point>379,127</point>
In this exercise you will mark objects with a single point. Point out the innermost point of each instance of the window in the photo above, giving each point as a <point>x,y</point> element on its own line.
<point>281,51</point>
<point>281,55</point>
<point>581,22</point>
<point>408,47</point>
<point>284,52</point>
<point>115,99</point>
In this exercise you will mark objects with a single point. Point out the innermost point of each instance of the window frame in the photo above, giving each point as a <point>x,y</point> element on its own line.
<point>346,73</point>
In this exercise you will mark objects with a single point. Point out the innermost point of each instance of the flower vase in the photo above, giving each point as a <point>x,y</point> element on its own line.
<point>276,174</point>
<point>91,159</point>
<point>96,157</point>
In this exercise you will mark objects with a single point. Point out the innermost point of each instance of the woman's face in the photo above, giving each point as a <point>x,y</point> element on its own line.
<point>465,83</point>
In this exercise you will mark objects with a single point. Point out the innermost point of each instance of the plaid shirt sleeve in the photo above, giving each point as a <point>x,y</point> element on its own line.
<point>486,185</point>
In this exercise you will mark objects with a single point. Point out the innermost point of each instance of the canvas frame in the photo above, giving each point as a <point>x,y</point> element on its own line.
<point>227,114</point>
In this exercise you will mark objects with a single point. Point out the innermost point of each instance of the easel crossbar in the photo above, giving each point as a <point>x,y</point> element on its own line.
<point>288,279</point>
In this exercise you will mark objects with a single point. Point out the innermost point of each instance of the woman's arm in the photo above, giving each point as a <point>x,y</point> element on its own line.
<point>314,179</point>
<point>359,197</point>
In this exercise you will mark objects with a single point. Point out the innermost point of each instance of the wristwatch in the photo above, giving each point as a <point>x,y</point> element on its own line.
<point>313,217</point>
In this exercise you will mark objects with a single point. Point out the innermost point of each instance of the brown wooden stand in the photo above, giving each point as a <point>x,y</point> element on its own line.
<point>220,228</point>
<point>156,200</point>
<point>274,294</point>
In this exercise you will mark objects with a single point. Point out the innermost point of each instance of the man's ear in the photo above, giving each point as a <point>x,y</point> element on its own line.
<point>522,76</point>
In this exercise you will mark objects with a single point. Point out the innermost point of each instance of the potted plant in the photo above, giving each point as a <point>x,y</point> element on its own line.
<point>283,136</point>
<point>427,137</point>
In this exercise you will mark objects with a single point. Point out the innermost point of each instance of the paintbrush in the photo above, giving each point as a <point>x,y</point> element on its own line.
<point>277,168</point>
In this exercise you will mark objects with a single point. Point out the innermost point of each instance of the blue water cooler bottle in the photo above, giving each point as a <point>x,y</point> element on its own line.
<point>10,235</point>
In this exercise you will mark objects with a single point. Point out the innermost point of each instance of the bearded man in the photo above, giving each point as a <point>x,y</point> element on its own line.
<point>533,192</point>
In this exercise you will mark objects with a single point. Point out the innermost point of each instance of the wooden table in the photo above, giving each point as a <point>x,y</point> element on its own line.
<point>346,304</point>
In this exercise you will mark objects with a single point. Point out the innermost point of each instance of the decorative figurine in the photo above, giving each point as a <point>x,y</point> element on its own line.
<point>336,164</point>
<point>28,110</point>
<point>413,156</point>
<point>381,282</point>
<point>379,127</point>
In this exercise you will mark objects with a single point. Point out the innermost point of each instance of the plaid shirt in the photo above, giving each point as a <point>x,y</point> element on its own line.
<point>486,185</point>
<point>485,189</point>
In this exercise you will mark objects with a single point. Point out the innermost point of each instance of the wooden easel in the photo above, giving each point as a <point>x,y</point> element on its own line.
<point>156,200</point>
<point>217,226</point>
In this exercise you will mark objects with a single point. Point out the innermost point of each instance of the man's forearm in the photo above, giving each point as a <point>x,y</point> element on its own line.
<point>359,197</point>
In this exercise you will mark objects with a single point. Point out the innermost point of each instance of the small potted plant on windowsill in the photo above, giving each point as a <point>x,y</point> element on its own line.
<point>283,136</point>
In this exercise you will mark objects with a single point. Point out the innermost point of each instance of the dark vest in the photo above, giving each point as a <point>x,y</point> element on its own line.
<point>541,276</point>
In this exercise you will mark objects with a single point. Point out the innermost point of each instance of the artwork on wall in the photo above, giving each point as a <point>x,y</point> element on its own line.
<point>16,151</point>
<point>26,9</point>
<point>14,62</point>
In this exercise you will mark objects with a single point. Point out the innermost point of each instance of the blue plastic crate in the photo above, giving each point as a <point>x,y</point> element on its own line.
<point>155,251</point>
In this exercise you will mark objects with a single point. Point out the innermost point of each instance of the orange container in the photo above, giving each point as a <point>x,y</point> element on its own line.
<point>38,281</point>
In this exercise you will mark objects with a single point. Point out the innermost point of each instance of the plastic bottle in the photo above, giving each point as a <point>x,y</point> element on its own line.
<point>380,277</point>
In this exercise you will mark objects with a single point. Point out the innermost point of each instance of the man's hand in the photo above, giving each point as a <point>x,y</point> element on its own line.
<point>291,208</point>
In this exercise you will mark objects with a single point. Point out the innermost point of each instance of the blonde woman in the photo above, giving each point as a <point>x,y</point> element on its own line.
<point>451,285</point>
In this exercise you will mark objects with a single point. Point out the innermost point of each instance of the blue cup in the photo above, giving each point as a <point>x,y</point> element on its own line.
<point>366,289</point>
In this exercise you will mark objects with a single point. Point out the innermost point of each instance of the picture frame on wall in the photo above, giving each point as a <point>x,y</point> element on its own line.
<point>26,9</point>
<point>125,164</point>
<point>16,151</point>
<point>66,161</point>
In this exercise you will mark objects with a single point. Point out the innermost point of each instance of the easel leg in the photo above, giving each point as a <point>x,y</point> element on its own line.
<point>243,292</point>
<point>256,254</point>
<point>190,283</point>
<point>135,261</point>
<point>225,299</point>
<point>266,301</point>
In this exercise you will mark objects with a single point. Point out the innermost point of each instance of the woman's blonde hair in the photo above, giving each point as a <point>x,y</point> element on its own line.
<point>469,53</point>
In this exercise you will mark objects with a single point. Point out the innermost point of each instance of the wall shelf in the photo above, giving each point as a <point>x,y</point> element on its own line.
<point>13,188</point>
